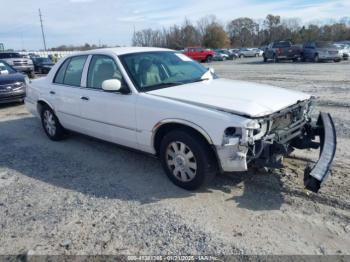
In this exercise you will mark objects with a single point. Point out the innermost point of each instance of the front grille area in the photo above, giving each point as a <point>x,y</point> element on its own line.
<point>288,119</point>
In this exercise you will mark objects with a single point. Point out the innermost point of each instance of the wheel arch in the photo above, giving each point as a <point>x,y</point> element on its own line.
<point>167,125</point>
<point>41,103</point>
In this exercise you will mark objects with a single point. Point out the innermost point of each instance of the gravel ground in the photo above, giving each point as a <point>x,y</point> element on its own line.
<point>84,196</point>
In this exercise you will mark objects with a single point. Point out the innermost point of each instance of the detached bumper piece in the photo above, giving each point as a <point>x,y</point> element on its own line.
<point>315,176</point>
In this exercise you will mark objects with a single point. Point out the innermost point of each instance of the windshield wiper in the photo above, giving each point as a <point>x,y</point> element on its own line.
<point>164,85</point>
<point>200,80</point>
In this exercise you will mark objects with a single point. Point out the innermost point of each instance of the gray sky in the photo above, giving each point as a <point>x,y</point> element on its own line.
<point>112,21</point>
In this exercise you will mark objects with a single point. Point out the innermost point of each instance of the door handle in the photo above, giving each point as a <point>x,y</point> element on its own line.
<point>52,92</point>
<point>84,98</point>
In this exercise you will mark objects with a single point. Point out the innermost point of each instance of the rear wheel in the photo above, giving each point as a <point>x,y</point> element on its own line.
<point>31,74</point>
<point>52,127</point>
<point>186,159</point>
<point>275,59</point>
<point>265,59</point>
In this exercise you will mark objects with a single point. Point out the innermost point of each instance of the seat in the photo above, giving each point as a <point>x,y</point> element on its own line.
<point>104,72</point>
<point>148,73</point>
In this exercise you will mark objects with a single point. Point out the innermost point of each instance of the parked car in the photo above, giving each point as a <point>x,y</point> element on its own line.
<point>344,50</point>
<point>162,102</point>
<point>227,54</point>
<point>220,56</point>
<point>42,65</point>
<point>19,63</point>
<point>258,52</point>
<point>12,84</point>
<point>282,50</point>
<point>199,54</point>
<point>320,51</point>
<point>246,52</point>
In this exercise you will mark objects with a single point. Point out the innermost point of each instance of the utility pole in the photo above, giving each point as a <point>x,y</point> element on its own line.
<point>42,29</point>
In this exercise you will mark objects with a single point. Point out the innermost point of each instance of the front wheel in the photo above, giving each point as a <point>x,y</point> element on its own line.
<point>186,159</point>
<point>52,127</point>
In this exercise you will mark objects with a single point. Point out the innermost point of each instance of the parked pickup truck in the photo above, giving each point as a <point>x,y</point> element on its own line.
<point>163,103</point>
<point>200,54</point>
<point>24,65</point>
<point>282,50</point>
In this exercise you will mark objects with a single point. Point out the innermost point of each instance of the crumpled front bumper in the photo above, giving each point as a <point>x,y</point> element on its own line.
<point>315,176</point>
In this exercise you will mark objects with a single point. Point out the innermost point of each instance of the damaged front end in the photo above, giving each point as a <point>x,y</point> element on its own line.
<point>265,141</point>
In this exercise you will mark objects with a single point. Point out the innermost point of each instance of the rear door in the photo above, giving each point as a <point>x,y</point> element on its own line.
<point>65,92</point>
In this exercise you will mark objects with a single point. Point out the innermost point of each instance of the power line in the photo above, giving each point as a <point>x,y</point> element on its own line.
<point>42,29</point>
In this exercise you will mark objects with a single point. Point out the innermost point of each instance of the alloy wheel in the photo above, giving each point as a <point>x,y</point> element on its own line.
<point>49,123</point>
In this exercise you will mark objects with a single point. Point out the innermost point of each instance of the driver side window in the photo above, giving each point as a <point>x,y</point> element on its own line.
<point>102,68</point>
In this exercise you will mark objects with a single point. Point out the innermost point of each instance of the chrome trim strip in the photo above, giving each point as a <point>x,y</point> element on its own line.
<point>106,123</point>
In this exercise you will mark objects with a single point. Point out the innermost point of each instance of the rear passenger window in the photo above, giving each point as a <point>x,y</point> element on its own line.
<point>71,71</point>
<point>74,71</point>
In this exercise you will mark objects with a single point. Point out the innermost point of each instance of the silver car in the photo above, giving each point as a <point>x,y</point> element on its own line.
<point>247,52</point>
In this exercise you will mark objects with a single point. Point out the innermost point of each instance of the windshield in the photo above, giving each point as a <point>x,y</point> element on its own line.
<point>43,60</point>
<point>155,70</point>
<point>6,69</point>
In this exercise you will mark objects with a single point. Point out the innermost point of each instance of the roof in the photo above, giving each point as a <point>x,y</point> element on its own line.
<point>126,50</point>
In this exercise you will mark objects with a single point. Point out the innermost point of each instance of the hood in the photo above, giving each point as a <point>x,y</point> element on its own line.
<point>11,78</point>
<point>239,97</point>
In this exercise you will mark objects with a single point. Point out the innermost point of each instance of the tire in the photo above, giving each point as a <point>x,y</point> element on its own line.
<point>265,59</point>
<point>275,59</point>
<point>316,58</point>
<point>31,74</point>
<point>52,127</point>
<point>337,60</point>
<point>241,56</point>
<point>209,59</point>
<point>187,159</point>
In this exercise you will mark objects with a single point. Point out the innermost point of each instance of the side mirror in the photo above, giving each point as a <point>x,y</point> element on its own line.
<point>111,85</point>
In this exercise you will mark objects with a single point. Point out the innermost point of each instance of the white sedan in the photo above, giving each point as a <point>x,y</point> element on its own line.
<point>161,102</point>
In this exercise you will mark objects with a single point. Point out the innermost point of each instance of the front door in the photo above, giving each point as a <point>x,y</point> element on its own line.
<point>107,115</point>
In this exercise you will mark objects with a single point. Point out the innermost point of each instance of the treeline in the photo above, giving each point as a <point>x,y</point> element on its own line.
<point>84,47</point>
<point>241,32</point>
